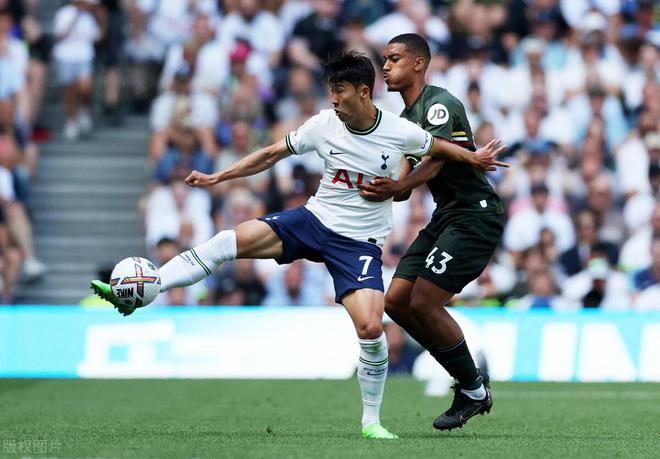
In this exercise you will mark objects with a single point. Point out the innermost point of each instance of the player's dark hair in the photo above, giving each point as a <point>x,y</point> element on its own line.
<point>350,67</point>
<point>415,44</point>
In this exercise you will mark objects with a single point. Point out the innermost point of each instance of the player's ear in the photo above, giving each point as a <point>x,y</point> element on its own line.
<point>420,64</point>
<point>364,91</point>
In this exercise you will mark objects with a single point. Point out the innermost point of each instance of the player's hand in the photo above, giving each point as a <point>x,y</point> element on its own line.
<point>485,158</point>
<point>200,179</point>
<point>379,189</point>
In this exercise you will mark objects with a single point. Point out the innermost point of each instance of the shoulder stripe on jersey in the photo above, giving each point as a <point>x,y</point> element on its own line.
<point>459,133</point>
<point>460,139</point>
<point>288,144</point>
<point>373,127</point>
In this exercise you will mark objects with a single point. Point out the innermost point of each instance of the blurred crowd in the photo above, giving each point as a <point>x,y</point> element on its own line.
<point>572,86</point>
<point>24,57</point>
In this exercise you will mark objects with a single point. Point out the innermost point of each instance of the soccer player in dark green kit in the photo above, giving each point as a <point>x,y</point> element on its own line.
<point>456,245</point>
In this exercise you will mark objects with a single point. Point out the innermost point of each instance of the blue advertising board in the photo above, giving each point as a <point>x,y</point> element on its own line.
<point>198,342</point>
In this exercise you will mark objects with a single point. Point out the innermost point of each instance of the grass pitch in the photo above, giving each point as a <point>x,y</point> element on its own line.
<point>310,419</point>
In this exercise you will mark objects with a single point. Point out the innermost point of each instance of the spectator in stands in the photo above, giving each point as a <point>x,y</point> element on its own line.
<point>245,91</point>
<point>40,46</point>
<point>178,212</point>
<point>315,37</point>
<point>632,156</point>
<point>144,60</point>
<point>300,102</point>
<point>545,39</point>
<point>598,286</point>
<point>238,206</point>
<point>76,31</point>
<point>537,161</point>
<point>236,284</point>
<point>201,52</point>
<point>597,60</point>
<point>643,68</point>
<point>542,293</point>
<point>590,165</point>
<point>183,123</point>
<point>474,107</point>
<point>597,103</point>
<point>410,16</point>
<point>242,144</point>
<point>523,229</point>
<point>18,224</point>
<point>260,29</point>
<point>297,284</point>
<point>15,97</point>
<point>635,253</point>
<point>601,198</point>
<point>14,66</point>
<point>111,24</point>
<point>575,259</point>
<point>168,21</point>
<point>530,262</point>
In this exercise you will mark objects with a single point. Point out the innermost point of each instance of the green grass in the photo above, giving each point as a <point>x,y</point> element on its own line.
<point>309,419</point>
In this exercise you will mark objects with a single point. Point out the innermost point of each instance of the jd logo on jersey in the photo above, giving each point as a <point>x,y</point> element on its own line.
<point>385,158</point>
<point>437,115</point>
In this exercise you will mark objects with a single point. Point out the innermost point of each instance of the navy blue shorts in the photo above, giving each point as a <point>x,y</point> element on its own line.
<point>352,264</point>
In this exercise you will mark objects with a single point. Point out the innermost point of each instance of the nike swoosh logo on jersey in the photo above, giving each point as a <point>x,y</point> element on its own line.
<point>333,153</point>
<point>363,278</point>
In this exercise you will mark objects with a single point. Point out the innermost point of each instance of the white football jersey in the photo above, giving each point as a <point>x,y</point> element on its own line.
<point>352,157</point>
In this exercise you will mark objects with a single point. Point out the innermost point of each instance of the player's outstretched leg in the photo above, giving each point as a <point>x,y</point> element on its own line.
<point>251,239</point>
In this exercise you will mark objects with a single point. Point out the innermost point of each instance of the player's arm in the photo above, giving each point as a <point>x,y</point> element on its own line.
<point>260,160</point>
<point>482,159</point>
<point>383,188</point>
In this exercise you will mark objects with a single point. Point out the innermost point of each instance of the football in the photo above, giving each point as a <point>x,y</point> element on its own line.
<point>135,282</point>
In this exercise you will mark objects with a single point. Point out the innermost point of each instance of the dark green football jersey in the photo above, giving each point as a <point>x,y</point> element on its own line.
<point>458,185</point>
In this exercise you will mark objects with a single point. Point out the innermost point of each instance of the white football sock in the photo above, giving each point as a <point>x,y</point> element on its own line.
<point>195,264</point>
<point>372,372</point>
<point>476,394</point>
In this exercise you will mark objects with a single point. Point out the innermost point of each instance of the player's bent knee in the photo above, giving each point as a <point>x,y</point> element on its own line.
<point>369,330</point>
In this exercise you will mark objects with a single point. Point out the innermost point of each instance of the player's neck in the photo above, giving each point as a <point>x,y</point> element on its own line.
<point>412,92</point>
<point>364,120</point>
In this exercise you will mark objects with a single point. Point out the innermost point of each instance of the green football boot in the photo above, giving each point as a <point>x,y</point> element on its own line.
<point>377,432</point>
<point>104,291</point>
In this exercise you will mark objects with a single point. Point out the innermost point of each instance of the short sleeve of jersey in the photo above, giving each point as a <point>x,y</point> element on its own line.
<point>438,118</point>
<point>418,141</point>
<point>305,138</point>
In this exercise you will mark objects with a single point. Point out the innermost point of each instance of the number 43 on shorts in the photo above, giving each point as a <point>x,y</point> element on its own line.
<point>442,263</point>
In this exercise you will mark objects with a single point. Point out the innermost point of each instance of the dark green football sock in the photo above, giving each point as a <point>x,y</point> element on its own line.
<point>457,360</point>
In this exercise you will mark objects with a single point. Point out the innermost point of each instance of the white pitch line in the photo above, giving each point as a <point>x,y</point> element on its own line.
<point>578,395</point>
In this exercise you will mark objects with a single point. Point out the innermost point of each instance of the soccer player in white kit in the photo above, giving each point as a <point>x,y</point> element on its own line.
<point>337,226</point>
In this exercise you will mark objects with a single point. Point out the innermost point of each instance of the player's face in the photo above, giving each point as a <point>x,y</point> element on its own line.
<point>399,66</point>
<point>345,100</point>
